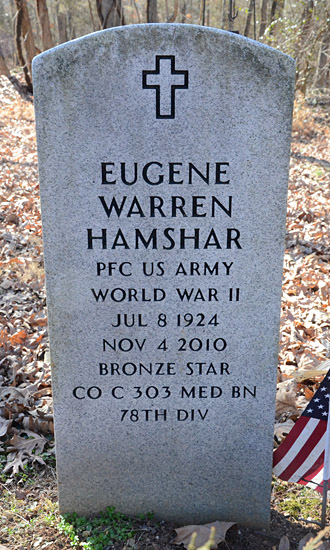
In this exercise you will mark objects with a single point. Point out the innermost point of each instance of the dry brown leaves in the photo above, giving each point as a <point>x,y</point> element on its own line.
<point>25,391</point>
<point>202,537</point>
<point>305,322</point>
<point>309,542</point>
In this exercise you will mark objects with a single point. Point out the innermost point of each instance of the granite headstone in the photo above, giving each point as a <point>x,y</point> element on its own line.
<point>163,157</point>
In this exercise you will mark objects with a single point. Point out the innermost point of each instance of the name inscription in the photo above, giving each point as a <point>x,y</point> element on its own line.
<point>198,333</point>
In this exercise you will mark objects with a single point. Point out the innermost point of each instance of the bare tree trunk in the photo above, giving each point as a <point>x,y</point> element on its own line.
<point>200,22</point>
<point>183,11</point>
<point>18,33</point>
<point>223,23</point>
<point>152,12</point>
<point>3,67</point>
<point>174,15</point>
<point>302,62</point>
<point>23,30</point>
<point>232,14</point>
<point>307,18</point>
<point>276,13</point>
<point>72,30</point>
<point>13,19</point>
<point>263,19</point>
<point>7,34</point>
<point>22,90</point>
<point>110,13</point>
<point>91,16</point>
<point>204,12</point>
<point>46,35</point>
<point>137,11</point>
<point>248,19</point>
<point>53,11</point>
<point>26,30</point>
<point>272,13</point>
<point>167,13</point>
<point>62,31</point>
<point>323,66</point>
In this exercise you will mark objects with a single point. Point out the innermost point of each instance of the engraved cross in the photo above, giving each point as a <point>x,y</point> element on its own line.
<point>165,79</point>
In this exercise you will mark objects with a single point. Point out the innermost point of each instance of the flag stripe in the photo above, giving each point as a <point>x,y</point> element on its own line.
<point>289,440</point>
<point>317,478</point>
<point>296,444</point>
<point>312,458</point>
<point>314,477</point>
<point>315,469</point>
<point>307,454</point>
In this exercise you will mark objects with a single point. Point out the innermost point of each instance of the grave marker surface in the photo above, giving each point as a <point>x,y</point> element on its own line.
<point>163,160</point>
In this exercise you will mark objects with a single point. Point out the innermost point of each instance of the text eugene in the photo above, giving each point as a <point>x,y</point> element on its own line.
<point>154,174</point>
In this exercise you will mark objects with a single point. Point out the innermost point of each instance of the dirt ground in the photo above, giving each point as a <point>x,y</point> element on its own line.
<point>30,507</point>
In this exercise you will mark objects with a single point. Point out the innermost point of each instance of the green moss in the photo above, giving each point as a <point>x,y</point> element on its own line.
<point>297,502</point>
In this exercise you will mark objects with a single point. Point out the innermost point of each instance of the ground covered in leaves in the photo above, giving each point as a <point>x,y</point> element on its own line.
<point>29,518</point>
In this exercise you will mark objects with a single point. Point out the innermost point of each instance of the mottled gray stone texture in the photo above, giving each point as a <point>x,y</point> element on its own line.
<point>164,391</point>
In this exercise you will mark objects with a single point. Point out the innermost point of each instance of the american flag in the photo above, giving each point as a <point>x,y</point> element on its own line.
<point>300,458</point>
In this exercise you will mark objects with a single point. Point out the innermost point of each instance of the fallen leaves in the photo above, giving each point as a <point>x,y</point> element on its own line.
<point>4,426</point>
<point>184,534</point>
<point>18,337</point>
<point>282,429</point>
<point>305,321</point>
<point>24,450</point>
<point>320,370</point>
<point>286,398</point>
<point>25,392</point>
<point>308,542</point>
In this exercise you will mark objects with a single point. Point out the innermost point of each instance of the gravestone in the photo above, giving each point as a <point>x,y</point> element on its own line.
<point>163,157</point>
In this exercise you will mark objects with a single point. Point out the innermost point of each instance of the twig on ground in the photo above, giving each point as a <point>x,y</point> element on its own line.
<point>310,521</point>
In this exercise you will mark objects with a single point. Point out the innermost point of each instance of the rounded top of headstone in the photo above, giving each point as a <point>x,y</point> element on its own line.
<point>151,36</point>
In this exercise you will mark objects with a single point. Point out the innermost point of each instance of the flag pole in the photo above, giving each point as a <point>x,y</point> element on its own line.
<point>326,471</point>
<point>324,503</point>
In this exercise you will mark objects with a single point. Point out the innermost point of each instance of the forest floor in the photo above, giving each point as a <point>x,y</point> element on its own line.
<point>29,518</point>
